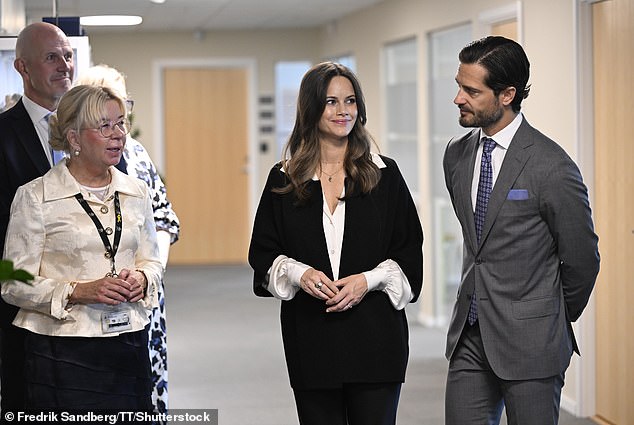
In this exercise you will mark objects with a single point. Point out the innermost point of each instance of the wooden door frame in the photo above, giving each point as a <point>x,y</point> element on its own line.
<point>247,64</point>
<point>488,18</point>
<point>585,327</point>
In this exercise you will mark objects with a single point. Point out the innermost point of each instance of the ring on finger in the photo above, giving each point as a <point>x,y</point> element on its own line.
<point>318,285</point>
<point>349,306</point>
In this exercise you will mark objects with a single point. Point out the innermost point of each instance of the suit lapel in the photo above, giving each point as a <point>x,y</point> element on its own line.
<point>27,136</point>
<point>465,180</point>
<point>514,162</point>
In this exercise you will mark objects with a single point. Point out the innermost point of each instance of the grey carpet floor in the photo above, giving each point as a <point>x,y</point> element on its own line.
<point>225,352</point>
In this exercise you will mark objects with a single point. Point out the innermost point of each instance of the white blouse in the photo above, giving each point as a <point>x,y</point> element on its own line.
<point>285,273</point>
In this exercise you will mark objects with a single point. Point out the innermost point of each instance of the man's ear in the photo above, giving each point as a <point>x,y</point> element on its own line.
<point>20,65</point>
<point>507,95</point>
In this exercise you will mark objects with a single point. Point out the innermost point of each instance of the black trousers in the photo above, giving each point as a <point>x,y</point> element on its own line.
<point>353,404</point>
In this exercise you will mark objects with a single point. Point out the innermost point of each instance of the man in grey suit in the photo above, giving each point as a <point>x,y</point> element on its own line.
<point>530,256</point>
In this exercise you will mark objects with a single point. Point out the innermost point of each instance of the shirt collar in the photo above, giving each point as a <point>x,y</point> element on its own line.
<point>35,111</point>
<point>59,183</point>
<point>503,137</point>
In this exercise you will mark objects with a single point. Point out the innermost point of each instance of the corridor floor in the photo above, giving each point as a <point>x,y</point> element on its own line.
<point>225,352</point>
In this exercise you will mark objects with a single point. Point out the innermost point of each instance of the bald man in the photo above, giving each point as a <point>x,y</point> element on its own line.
<point>44,59</point>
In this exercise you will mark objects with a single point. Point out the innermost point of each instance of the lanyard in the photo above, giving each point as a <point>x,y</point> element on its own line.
<point>111,250</point>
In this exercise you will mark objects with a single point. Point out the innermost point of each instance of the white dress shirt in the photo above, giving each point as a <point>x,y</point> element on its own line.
<point>39,116</point>
<point>503,140</point>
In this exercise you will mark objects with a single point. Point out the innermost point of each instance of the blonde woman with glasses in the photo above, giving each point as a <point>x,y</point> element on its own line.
<point>86,232</point>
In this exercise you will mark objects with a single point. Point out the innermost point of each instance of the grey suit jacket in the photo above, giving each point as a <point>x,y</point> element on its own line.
<point>537,260</point>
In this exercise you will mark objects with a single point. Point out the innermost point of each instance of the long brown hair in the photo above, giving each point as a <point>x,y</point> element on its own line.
<point>302,155</point>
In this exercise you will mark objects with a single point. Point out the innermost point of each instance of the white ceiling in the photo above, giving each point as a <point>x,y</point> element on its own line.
<point>193,15</point>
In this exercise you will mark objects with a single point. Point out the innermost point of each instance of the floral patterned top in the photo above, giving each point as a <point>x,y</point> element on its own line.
<point>140,165</point>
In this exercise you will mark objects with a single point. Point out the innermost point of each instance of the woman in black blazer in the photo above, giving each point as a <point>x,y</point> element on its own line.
<point>337,238</point>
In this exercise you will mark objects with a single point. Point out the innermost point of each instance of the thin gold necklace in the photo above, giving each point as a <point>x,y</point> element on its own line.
<point>330,176</point>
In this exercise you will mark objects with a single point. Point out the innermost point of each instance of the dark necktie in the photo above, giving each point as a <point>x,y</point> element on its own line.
<point>485,185</point>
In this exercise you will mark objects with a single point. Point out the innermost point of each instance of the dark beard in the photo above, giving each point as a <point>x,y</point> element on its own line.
<point>482,119</point>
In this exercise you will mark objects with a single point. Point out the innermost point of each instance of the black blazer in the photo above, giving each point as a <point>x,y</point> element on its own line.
<point>368,343</point>
<point>22,159</point>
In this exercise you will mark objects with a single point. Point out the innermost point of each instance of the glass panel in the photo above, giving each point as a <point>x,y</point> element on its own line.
<point>401,109</point>
<point>288,77</point>
<point>10,80</point>
<point>444,47</point>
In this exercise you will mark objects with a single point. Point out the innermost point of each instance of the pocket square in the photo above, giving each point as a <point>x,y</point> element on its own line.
<point>517,195</point>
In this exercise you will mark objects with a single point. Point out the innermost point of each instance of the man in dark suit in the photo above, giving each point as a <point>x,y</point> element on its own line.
<point>530,252</point>
<point>44,59</point>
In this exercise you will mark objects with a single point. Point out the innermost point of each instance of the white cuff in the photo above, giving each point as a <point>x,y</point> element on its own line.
<point>376,278</point>
<point>389,278</point>
<point>59,299</point>
<point>284,277</point>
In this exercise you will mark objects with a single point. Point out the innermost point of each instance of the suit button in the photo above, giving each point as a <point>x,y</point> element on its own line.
<point>479,261</point>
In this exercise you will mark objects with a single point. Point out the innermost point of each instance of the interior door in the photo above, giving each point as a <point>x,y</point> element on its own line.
<point>613,50</point>
<point>206,139</point>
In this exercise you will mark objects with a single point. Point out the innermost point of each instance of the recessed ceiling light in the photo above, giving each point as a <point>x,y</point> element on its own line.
<point>158,1</point>
<point>110,20</point>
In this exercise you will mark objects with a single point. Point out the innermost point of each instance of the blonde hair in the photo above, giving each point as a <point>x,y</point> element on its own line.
<point>81,107</point>
<point>104,76</point>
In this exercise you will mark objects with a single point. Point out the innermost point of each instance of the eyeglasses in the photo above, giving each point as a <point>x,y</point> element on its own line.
<point>107,129</point>
<point>129,105</point>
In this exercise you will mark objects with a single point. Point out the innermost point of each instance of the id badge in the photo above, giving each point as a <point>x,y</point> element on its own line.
<point>115,321</point>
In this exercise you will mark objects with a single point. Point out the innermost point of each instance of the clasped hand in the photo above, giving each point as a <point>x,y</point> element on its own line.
<point>339,295</point>
<point>129,286</point>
